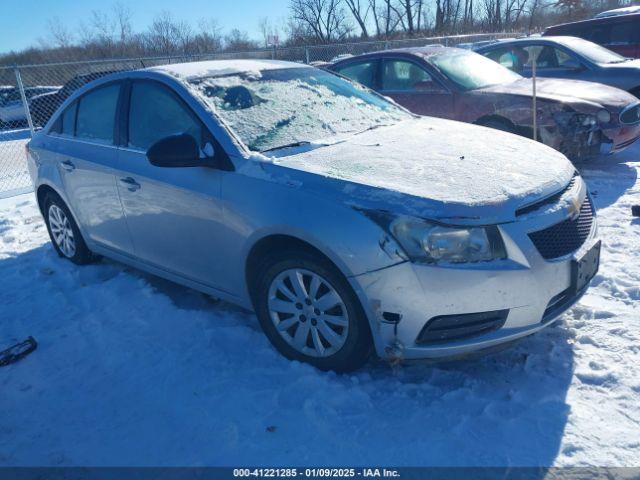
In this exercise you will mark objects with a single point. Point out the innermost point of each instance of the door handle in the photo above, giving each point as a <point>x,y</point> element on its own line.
<point>68,165</point>
<point>130,183</point>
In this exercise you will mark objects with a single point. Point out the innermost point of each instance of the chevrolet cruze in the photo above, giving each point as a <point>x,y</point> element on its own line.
<point>347,223</point>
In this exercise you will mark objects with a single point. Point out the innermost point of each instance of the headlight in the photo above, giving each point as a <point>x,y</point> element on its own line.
<point>603,116</point>
<point>431,243</point>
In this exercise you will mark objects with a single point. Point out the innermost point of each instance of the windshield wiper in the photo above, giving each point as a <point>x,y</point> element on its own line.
<point>287,145</point>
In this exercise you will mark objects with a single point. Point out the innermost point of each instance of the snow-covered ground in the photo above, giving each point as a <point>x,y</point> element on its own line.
<point>133,370</point>
<point>13,166</point>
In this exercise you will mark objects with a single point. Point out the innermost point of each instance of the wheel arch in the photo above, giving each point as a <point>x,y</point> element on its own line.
<point>277,242</point>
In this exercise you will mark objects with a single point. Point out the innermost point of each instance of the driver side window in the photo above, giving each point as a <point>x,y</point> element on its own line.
<point>156,113</point>
<point>401,75</point>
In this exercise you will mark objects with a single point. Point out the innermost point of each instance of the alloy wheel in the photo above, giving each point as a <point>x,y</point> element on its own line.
<point>61,231</point>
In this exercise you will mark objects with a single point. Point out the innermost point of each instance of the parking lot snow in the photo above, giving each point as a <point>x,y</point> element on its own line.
<point>133,370</point>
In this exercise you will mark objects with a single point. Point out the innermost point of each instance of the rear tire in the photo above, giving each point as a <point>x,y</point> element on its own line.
<point>64,232</point>
<point>310,313</point>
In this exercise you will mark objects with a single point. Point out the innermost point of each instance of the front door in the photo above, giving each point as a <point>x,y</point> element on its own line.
<point>83,139</point>
<point>174,214</point>
<point>414,88</point>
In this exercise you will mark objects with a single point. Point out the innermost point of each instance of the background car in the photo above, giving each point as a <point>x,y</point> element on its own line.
<point>619,33</point>
<point>566,57</point>
<point>343,220</point>
<point>42,107</point>
<point>618,11</point>
<point>577,118</point>
<point>12,112</point>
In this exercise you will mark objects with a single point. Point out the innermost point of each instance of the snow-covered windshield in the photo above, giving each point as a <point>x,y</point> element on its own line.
<point>275,108</point>
<point>592,51</point>
<point>470,70</point>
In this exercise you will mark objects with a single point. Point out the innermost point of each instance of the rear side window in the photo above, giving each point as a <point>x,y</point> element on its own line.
<point>155,113</point>
<point>96,114</point>
<point>364,72</point>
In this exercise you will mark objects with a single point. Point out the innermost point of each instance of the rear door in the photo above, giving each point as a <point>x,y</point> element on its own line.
<point>174,214</point>
<point>85,145</point>
<point>412,86</point>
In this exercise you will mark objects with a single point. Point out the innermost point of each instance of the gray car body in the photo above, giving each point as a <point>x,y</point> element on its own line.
<point>625,75</point>
<point>204,227</point>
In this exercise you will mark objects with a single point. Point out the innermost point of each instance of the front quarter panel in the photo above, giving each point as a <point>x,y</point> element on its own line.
<point>257,206</point>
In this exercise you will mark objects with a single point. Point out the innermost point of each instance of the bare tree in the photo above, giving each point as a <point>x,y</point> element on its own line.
<point>360,13</point>
<point>122,14</point>
<point>268,30</point>
<point>325,20</point>
<point>59,34</point>
<point>209,38</point>
<point>167,35</point>
<point>237,40</point>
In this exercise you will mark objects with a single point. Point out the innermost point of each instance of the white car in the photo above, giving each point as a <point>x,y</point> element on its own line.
<point>11,108</point>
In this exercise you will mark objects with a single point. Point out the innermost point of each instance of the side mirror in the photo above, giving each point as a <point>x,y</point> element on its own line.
<point>176,151</point>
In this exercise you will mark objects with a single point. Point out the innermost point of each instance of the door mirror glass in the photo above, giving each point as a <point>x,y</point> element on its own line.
<point>175,151</point>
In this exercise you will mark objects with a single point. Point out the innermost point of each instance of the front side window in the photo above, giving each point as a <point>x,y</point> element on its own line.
<point>363,72</point>
<point>270,109</point>
<point>400,75</point>
<point>96,114</point>
<point>155,113</point>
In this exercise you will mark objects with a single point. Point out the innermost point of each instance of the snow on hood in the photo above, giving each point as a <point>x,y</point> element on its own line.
<point>436,169</point>
<point>568,91</point>
<point>211,68</point>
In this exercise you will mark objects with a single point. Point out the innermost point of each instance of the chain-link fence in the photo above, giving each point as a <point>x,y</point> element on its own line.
<point>30,94</point>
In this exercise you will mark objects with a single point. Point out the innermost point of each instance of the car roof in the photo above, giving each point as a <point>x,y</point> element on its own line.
<point>424,52</point>
<point>595,21</point>
<point>618,11</point>
<point>561,39</point>
<point>214,68</point>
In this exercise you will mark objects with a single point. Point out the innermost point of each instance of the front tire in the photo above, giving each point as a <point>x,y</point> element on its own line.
<point>310,313</point>
<point>64,232</point>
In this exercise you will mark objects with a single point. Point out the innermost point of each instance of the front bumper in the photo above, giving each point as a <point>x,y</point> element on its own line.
<point>531,291</point>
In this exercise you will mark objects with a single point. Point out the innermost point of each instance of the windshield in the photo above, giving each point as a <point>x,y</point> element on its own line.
<point>470,70</point>
<point>275,108</point>
<point>593,52</point>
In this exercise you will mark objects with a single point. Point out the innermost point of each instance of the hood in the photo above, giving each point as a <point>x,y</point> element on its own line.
<point>631,65</point>
<point>567,91</point>
<point>431,168</point>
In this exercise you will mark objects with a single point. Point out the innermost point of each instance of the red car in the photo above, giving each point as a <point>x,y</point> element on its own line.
<point>620,33</point>
<point>578,118</point>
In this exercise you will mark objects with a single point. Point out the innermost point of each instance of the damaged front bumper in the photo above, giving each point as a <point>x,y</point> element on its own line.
<point>495,302</point>
<point>580,136</point>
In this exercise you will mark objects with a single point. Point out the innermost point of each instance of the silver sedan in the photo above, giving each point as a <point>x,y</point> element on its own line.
<point>348,224</point>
